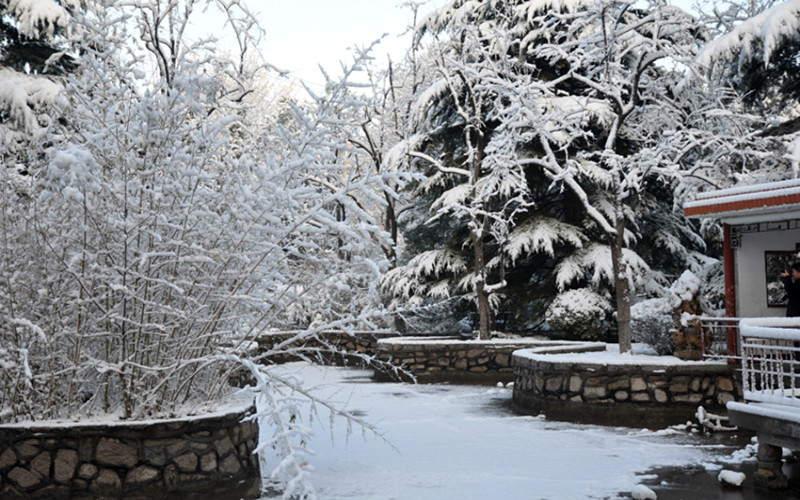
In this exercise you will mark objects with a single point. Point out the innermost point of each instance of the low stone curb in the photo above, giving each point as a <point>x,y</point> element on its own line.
<point>129,460</point>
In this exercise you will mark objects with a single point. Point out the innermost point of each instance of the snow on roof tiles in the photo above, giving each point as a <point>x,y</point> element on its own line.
<point>752,198</point>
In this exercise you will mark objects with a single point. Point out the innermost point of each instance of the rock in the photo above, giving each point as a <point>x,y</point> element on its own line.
<point>622,383</point>
<point>230,466</point>
<point>638,384</point>
<point>688,398</point>
<point>24,478</point>
<point>41,463</point>
<point>502,359</point>
<point>65,464</point>
<point>724,398</point>
<point>678,388</point>
<point>594,392</point>
<point>155,455</point>
<point>660,396</point>
<point>725,384</point>
<point>208,462</point>
<point>141,475</point>
<point>28,448</point>
<point>187,462</point>
<point>107,480</point>
<point>7,458</point>
<point>553,384</point>
<point>171,477</point>
<point>575,383</point>
<point>87,471</point>
<point>114,452</point>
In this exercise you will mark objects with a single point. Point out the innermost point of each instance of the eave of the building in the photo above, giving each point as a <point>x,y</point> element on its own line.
<point>747,204</point>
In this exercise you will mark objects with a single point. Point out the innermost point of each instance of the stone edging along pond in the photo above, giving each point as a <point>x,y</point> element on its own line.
<point>154,459</point>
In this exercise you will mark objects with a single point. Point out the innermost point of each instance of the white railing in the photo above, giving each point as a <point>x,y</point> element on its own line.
<point>720,338</point>
<point>770,350</point>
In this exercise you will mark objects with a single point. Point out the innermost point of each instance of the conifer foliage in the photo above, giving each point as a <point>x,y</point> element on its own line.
<point>558,141</point>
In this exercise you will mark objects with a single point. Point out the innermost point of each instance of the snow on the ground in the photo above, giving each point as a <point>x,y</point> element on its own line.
<point>611,355</point>
<point>456,441</point>
<point>731,478</point>
<point>642,492</point>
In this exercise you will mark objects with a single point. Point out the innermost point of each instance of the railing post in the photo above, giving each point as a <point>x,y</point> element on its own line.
<point>730,292</point>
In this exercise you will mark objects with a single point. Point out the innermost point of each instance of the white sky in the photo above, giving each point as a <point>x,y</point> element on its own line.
<point>303,34</point>
<point>300,34</point>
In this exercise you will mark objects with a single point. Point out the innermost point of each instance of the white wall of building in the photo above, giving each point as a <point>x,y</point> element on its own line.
<point>751,280</point>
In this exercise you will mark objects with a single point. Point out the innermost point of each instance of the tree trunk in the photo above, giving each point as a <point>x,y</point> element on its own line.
<point>481,297</point>
<point>621,287</point>
<point>478,226</point>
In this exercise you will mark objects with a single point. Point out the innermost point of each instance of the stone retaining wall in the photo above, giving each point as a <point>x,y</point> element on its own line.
<point>134,460</point>
<point>565,386</point>
<point>435,359</point>
<point>346,347</point>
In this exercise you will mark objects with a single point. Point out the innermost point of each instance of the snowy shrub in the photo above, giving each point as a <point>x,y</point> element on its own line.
<point>581,313</point>
<point>162,235</point>
<point>651,322</point>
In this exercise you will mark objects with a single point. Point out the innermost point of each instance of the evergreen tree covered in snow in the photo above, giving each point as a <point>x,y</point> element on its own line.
<point>34,50</point>
<point>580,141</point>
<point>756,52</point>
<point>585,119</point>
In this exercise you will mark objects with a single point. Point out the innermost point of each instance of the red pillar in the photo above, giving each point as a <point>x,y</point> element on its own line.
<point>730,288</point>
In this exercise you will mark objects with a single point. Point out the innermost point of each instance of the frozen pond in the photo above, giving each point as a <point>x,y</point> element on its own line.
<point>465,442</point>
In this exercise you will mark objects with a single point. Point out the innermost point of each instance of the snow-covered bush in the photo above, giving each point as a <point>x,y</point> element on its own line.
<point>653,319</point>
<point>581,313</point>
<point>159,234</point>
<point>651,322</point>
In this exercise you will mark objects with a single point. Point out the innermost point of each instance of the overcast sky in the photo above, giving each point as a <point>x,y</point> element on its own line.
<point>302,33</point>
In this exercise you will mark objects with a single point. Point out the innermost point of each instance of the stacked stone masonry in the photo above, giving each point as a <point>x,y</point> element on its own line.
<point>537,382</point>
<point>448,358</point>
<point>131,461</point>
<point>336,348</point>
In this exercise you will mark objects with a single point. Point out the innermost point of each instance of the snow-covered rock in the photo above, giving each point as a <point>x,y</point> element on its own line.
<point>731,478</point>
<point>642,492</point>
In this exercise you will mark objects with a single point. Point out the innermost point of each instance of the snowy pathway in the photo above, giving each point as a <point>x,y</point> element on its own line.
<point>464,442</point>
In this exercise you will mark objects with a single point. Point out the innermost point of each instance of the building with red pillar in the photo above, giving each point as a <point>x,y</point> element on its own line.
<point>762,237</point>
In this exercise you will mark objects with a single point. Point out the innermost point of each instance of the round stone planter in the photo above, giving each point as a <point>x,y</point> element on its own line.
<point>639,391</point>
<point>450,359</point>
<point>202,455</point>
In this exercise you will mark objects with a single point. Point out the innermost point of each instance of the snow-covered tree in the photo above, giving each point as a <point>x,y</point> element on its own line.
<point>756,52</point>
<point>34,51</point>
<point>476,180</point>
<point>593,140</point>
<point>161,231</point>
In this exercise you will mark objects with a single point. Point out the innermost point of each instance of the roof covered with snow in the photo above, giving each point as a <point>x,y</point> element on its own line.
<point>748,204</point>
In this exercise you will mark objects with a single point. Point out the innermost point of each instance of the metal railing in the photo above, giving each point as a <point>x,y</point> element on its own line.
<point>770,350</point>
<point>720,338</point>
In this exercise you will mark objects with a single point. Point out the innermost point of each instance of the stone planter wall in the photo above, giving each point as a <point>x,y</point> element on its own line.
<point>564,386</point>
<point>204,455</point>
<point>357,343</point>
<point>436,359</point>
